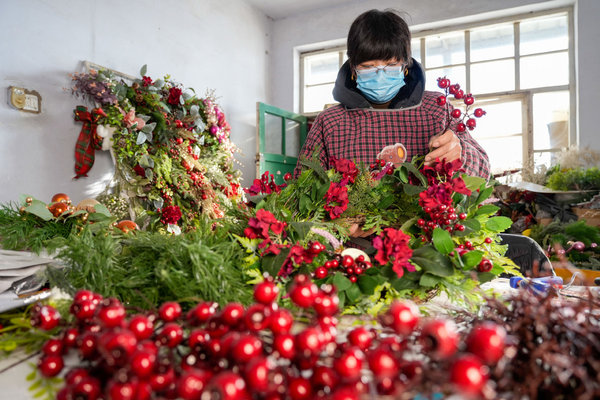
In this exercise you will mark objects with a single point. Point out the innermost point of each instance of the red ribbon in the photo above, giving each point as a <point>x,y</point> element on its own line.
<point>88,141</point>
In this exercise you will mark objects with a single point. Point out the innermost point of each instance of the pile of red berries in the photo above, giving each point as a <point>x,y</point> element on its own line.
<point>348,265</point>
<point>441,216</point>
<point>258,352</point>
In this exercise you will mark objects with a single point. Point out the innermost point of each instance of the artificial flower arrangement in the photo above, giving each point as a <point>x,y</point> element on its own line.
<point>434,232</point>
<point>172,151</point>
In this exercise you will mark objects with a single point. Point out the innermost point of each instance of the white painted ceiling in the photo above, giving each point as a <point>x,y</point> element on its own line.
<point>278,9</point>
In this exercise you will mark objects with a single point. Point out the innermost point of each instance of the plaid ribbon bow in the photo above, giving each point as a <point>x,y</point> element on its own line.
<point>88,140</point>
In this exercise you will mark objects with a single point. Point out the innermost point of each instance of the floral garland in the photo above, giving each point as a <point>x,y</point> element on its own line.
<point>173,156</point>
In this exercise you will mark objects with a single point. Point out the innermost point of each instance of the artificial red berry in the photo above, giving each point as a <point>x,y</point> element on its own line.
<point>303,294</point>
<point>461,127</point>
<point>84,309</point>
<point>142,363</point>
<point>316,247</point>
<point>459,94</point>
<point>121,390</point>
<point>257,317</point>
<point>441,100</point>
<point>360,337</point>
<point>50,366</point>
<point>266,292</point>
<point>347,261</point>
<point>299,389</point>
<point>87,388</point>
<point>171,335</point>
<point>53,347</point>
<point>284,344</point>
<point>45,317</point>
<point>478,112</point>
<point>321,272</point>
<point>402,317</point>
<point>232,313</point>
<point>462,216</point>
<point>421,222</point>
<point>141,326</point>
<point>287,177</point>
<point>440,338</point>
<point>488,240</point>
<point>353,279</point>
<point>169,311</point>
<point>69,337</point>
<point>469,99</point>
<point>227,385</point>
<point>456,113</point>
<point>74,376</point>
<point>382,363</point>
<point>191,384</point>
<point>471,123</point>
<point>87,344</point>
<point>349,364</point>
<point>256,373</point>
<point>487,341</point>
<point>162,380</point>
<point>281,321</point>
<point>443,83</point>
<point>112,315</point>
<point>468,374</point>
<point>308,342</point>
<point>116,346</point>
<point>246,348</point>
<point>485,265</point>
<point>203,312</point>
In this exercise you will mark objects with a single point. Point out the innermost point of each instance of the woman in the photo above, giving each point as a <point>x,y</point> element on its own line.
<point>384,109</point>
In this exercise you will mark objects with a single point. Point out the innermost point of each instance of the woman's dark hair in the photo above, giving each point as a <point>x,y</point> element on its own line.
<point>378,35</point>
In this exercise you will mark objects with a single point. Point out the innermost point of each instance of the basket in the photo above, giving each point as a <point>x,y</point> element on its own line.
<point>591,216</point>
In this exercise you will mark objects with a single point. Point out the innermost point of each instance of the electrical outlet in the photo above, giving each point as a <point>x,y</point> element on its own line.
<point>25,100</point>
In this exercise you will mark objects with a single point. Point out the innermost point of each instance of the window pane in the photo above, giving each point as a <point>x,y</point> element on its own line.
<point>504,153</point>
<point>292,138</point>
<point>545,159</point>
<point>493,76</point>
<point>415,48</point>
<point>545,70</point>
<point>272,134</point>
<point>455,74</point>
<point>545,34</point>
<point>492,42</point>
<point>550,120</point>
<point>321,68</point>
<point>316,97</point>
<point>501,119</point>
<point>445,50</point>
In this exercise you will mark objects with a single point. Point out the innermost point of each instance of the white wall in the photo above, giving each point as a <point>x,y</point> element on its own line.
<point>330,26</point>
<point>204,44</point>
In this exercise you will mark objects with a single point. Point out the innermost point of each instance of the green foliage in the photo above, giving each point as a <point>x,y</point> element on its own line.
<point>574,179</point>
<point>145,269</point>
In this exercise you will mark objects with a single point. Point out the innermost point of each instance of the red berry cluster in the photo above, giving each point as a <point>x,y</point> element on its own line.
<point>466,120</point>
<point>348,265</point>
<point>442,216</point>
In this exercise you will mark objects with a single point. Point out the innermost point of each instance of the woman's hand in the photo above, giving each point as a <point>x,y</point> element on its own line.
<point>445,145</point>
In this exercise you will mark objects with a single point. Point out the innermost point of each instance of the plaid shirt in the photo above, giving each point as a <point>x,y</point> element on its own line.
<point>359,134</point>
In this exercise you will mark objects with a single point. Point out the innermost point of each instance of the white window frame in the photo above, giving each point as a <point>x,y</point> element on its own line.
<point>528,151</point>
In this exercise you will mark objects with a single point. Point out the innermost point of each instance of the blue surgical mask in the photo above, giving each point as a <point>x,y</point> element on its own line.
<point>380,84</point>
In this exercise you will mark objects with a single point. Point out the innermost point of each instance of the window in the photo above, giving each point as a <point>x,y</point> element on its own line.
<point>520,69</point>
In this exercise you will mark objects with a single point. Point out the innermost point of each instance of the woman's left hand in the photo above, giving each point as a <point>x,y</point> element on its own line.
<point>445,145</point>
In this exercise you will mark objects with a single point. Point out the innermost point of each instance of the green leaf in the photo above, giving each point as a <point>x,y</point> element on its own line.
<point>487,209</point>
<point>472,258</point>
<point>341,282</point>
<point>305,204</point>
<point>31,376</point>
<point>39,209</point>
<point>429,280</point>
<point>316,167</point>
<point>413,190</point>
<point>442,240</point>
<point>77,213</point>
<point>367,284</point>
<point>432,261</point>
<point>484,277</point>
<point>272,264</point>
<point>484,194</point>
<point>473,182</point>
<point>404,283</point>
<point>498,224</point>
<point>403,174</point>
<point>471,225</point>
<point>101,209</point>
<point>302,228</point>
<point>322,190</point>
<point>386,202</point>
<point>412,168</point>
<point>143,70</point>
<point>353,293</point>
<point>35,385</point>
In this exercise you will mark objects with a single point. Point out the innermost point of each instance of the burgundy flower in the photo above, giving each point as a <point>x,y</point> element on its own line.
<point>174,95</point>
<point>139,170</point>
<point>259,226</point>
<point>392,245</point>
<point>458,185</point>
<point>436,195</point>
<point>298,255</point>
<point>266,184</point>
<point>336,200</point>
<point>170,215</point>
<point>146,81</point>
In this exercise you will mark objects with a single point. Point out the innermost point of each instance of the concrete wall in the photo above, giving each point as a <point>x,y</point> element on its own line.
<point>329,26</point>
<point>208,44</point>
